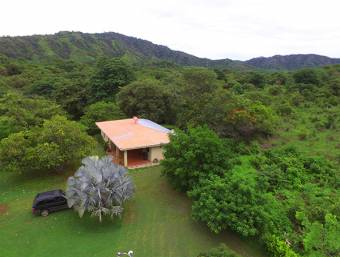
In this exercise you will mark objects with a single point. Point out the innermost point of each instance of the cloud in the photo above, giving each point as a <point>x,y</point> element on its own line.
<point>238,29</point>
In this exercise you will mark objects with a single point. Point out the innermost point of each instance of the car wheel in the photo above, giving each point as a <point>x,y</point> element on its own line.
<point>44,213</point>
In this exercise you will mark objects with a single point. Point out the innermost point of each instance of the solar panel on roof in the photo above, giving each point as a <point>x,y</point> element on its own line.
<point>153,125</point>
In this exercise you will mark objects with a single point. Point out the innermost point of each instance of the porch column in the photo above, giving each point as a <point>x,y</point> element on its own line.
<point>125,159</point>
<point>116,155</point>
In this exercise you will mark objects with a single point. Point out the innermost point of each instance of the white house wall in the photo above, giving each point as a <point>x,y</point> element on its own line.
<point>156,153</point>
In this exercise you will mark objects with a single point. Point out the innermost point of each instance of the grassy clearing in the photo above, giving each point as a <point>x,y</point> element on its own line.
<point>156,222</point>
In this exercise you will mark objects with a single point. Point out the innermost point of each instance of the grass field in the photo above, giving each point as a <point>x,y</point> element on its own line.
<point>156,223</point>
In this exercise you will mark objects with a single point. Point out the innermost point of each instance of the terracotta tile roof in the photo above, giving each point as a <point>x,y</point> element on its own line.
<point>132,134</point>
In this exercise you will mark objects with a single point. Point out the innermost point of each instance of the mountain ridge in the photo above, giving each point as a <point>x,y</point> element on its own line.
<point>86,47</point>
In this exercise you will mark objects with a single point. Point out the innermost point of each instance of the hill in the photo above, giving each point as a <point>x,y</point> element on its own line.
<point>85,47</point>
<point>291,62</point>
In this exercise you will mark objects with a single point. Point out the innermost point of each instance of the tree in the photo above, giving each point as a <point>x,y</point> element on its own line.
<point>204,101</point>
<point>278,78</point>
<point>7,126</point>
<point>231,116</point>
<point>147,98</point>
<point>307,76</point>
<point>56,143</point>
<point>99,187</point>
<point>199,91</point>
<point>73,96</point>
<point>256,78</point>
<point>44,87</point>
<point>100,111</point>
<point>193,155</point>
<point>19,113</point>
<point>111,74</point>
<point>335,86</point>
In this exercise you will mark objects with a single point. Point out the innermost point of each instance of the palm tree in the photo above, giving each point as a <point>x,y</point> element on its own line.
<point>100,187</point>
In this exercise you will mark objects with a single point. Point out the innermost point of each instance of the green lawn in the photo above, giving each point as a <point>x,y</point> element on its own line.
<point>156,223</point>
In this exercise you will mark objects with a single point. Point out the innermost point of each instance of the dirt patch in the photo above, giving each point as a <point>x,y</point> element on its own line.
<point>3,208</point>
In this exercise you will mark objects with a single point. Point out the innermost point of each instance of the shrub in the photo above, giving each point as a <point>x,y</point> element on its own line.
<point>279,248</point>
<point>232,202</point>
<point>99,187</point>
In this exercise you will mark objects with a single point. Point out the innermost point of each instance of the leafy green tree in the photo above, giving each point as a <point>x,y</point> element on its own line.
<point>73,97</point>
<point>7,126</point>
<point>193,155</point>
<point>99,187</point>
<point>100,111</point>
<point>307,76</point>
<point>55,144</point>
<point>232,116</point>
<point>279,78</point>
<point>257,79</point>
<point>201,93</point>
<point>206,102</point>
<point>149,99</point>
<point>111,74</point>
<point>220,74</point>
<point>335,86</point>
<point>45,87</point>
<point>19,113</point>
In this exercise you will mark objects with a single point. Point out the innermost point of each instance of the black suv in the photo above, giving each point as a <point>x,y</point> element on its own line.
<point>50,201</point>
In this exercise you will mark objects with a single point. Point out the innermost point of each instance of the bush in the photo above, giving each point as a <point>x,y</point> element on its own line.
<point>279,248</point>
<point>232,202</point>
<point>99,187</point>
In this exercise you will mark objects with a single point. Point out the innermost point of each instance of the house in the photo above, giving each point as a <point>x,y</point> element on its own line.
<point>134,143</point>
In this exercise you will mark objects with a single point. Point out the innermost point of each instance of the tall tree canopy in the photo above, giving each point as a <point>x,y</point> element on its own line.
<point>149,99</point>
<point>111,74</point>
<point>100,111</point>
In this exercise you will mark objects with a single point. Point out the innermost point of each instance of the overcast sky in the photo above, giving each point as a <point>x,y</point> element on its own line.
<point>216,29</point>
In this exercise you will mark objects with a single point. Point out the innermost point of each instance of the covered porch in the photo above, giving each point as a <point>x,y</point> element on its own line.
<point>134,158</point>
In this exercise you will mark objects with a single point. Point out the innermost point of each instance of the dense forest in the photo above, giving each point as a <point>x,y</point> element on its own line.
<point>257,151</point>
